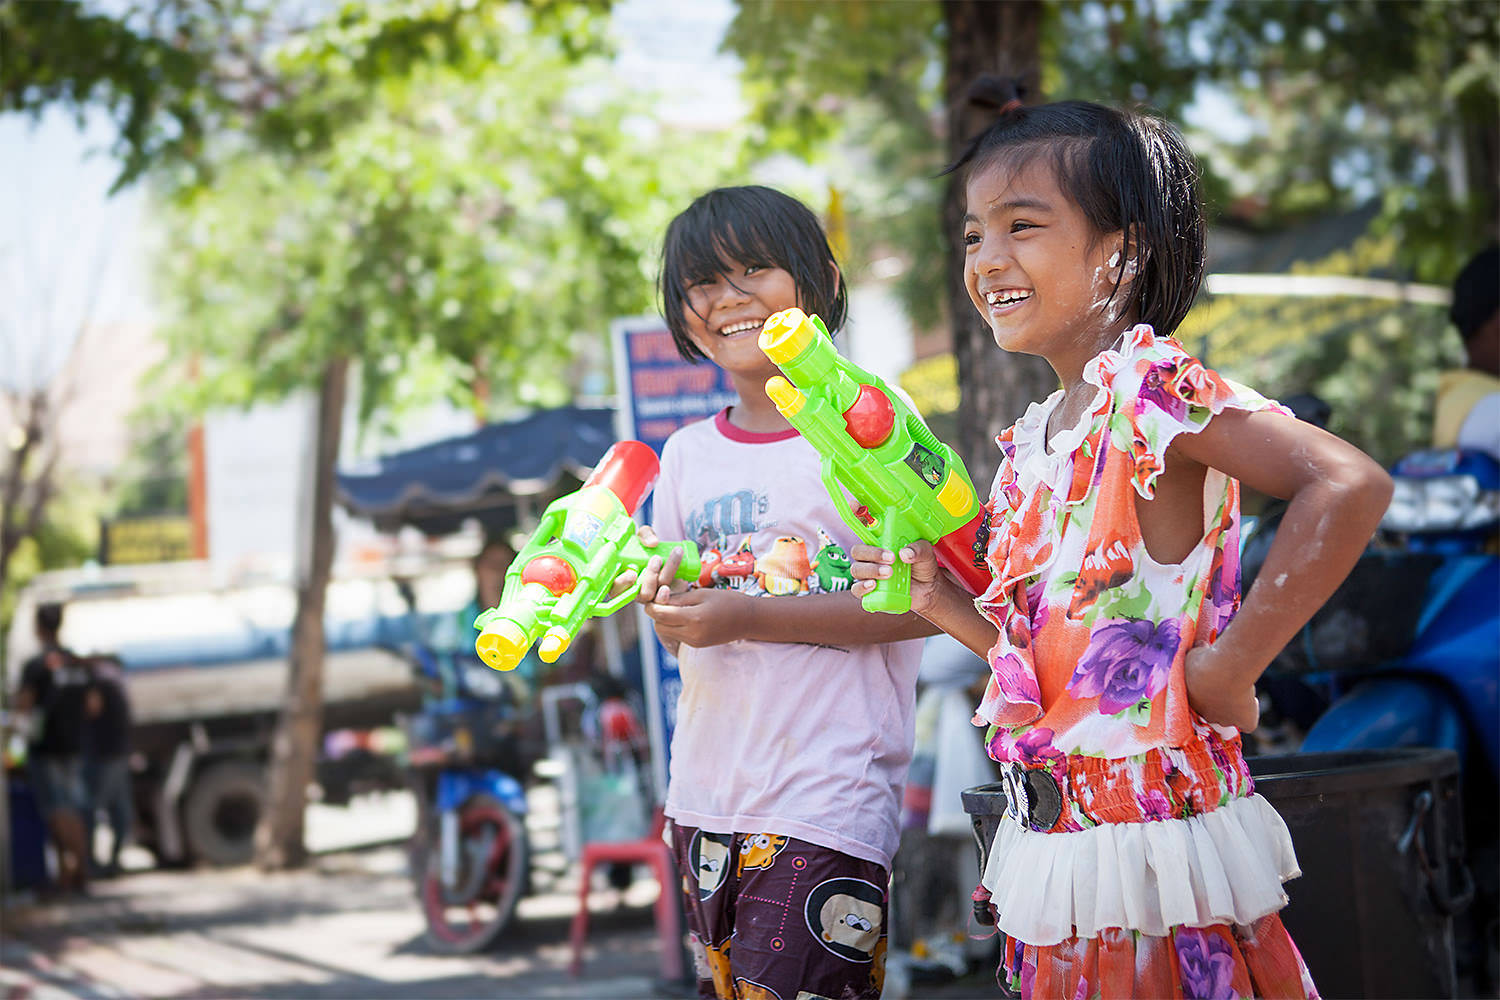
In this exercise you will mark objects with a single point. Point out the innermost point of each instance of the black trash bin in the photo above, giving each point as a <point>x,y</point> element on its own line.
<point>1379,837</point>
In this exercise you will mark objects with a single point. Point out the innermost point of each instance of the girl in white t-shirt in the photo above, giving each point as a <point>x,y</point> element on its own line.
<point>794,726</point>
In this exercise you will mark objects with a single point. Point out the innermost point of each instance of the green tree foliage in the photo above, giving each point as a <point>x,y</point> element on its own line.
<point>174,73</point>
<point>1332,103</point>
<point>464,229</point>
<point>862,78</point>
<point>1375,361</point>
<point>1341,101</point>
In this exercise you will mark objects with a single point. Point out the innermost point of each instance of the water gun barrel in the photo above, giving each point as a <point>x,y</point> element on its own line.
<point>563,574</point>
<point>876,447</point>
<point>628,470</point>
<point>801,347</point>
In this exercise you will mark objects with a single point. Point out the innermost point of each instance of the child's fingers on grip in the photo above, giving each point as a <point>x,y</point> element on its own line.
<point>869,570</point>
<point>625,581</point>
<point>872,554</point>
<point>650,579</point>
<point>870,562</point>
<point>646,535</point>
<point>918,551</point>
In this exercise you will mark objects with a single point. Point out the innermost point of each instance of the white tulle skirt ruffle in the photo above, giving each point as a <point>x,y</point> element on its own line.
<point>1225,866</point>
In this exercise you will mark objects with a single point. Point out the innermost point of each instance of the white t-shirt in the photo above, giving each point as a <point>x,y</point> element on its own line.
<point>803,740</point>
<point>1481,428</point>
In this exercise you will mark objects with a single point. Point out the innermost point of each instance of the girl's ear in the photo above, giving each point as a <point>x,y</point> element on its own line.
<point>838,277</point>
<point>1124,259</point>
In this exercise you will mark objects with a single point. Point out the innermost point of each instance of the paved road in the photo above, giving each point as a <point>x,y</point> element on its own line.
<point>347,926</point>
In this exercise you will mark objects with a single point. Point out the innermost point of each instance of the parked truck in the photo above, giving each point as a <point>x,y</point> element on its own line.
<point>205,658</point>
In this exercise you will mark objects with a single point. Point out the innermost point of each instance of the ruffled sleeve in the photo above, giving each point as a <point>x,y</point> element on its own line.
<point>1161,391</point>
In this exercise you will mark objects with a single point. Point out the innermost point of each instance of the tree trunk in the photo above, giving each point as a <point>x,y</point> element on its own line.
<point>294,750</point>
<point>994,387</point>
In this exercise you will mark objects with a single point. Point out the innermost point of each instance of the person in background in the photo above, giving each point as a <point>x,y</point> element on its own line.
<point>106,758</point>
<point>1468,399</point>
<point>54,687</point>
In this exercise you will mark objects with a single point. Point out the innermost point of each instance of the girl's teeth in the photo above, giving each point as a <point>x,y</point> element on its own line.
<point>1005,298</point>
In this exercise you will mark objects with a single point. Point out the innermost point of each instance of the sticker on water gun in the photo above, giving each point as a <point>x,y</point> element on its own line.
<point>926,463</point>
<point>581,528</point>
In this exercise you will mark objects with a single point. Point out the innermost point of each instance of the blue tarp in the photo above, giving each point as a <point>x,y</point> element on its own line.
<point>486,475</point>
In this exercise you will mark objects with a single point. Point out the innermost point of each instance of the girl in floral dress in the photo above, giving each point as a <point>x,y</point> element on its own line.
<point>1137,860</point>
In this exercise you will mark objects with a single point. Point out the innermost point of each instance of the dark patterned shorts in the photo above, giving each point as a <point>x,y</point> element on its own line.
<point>776,918</point>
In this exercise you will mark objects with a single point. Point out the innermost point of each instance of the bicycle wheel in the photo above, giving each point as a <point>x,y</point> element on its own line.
<point>469,915</point>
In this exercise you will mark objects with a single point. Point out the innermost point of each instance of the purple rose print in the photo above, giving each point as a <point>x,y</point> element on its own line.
<point>1126,661</point>
<point>1016,682</point>
<point>1036,604</point>
<point>1223,593</point>
<point>1154,805</point>
<point>1154,390</point>
<point>1206,965</point>
<point>1035,746</point>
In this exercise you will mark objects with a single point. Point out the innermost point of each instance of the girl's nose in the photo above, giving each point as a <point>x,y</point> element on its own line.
<point>728,296</point>
<point>991,257</point>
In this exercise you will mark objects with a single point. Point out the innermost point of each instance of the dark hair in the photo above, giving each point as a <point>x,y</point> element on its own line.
<point>1476,292</point>
<point>49,617</point>
<point>751,224</point>
<point>1128,172</point>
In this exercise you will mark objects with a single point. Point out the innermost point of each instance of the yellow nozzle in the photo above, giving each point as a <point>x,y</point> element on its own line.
<point>787,397</point>
<point>786,335</point>
<point>956,497</point>
<point>554,644</point>
<point>502,644</point>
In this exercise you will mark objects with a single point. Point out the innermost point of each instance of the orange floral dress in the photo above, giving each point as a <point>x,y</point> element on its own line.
<point>1137,859</point>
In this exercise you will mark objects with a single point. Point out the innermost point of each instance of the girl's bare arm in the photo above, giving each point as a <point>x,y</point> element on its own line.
<point>1337,496</point>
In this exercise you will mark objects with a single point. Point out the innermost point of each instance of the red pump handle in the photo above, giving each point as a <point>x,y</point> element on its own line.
<point>628,470</point>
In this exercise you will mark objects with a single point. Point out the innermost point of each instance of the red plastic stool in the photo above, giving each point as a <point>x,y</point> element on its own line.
<point>649,850</point>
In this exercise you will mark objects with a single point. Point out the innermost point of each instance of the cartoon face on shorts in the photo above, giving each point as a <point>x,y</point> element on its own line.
<point>709,855</point>
<point>845,915</point>
<point>759,850</point>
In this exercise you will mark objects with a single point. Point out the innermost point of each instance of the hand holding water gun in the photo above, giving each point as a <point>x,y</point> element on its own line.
<point>910,486</point>
<point>564,574</point>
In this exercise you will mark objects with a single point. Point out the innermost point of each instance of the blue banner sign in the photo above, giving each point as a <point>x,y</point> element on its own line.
<point>657,393</point>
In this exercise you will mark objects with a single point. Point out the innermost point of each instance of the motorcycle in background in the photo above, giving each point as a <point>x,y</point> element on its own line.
<point>470,855</point>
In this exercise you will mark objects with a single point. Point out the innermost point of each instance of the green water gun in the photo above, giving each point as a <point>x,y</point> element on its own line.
<point>563,575</point>
<point>875,446</point>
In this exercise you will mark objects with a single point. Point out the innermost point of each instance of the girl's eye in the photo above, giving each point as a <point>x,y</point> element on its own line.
<point>752,268</point>
<point>971,239</point>
<point>1018,226</point>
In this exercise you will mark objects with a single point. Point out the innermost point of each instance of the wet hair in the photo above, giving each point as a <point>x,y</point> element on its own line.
<point>49,617</point>
<point>1476,292</point>
<point>748,225</point>
<point>1127,172</point>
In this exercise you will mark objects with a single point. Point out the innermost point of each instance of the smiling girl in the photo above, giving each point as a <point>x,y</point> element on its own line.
<point>1136,859</point>
<point>795,723</point>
